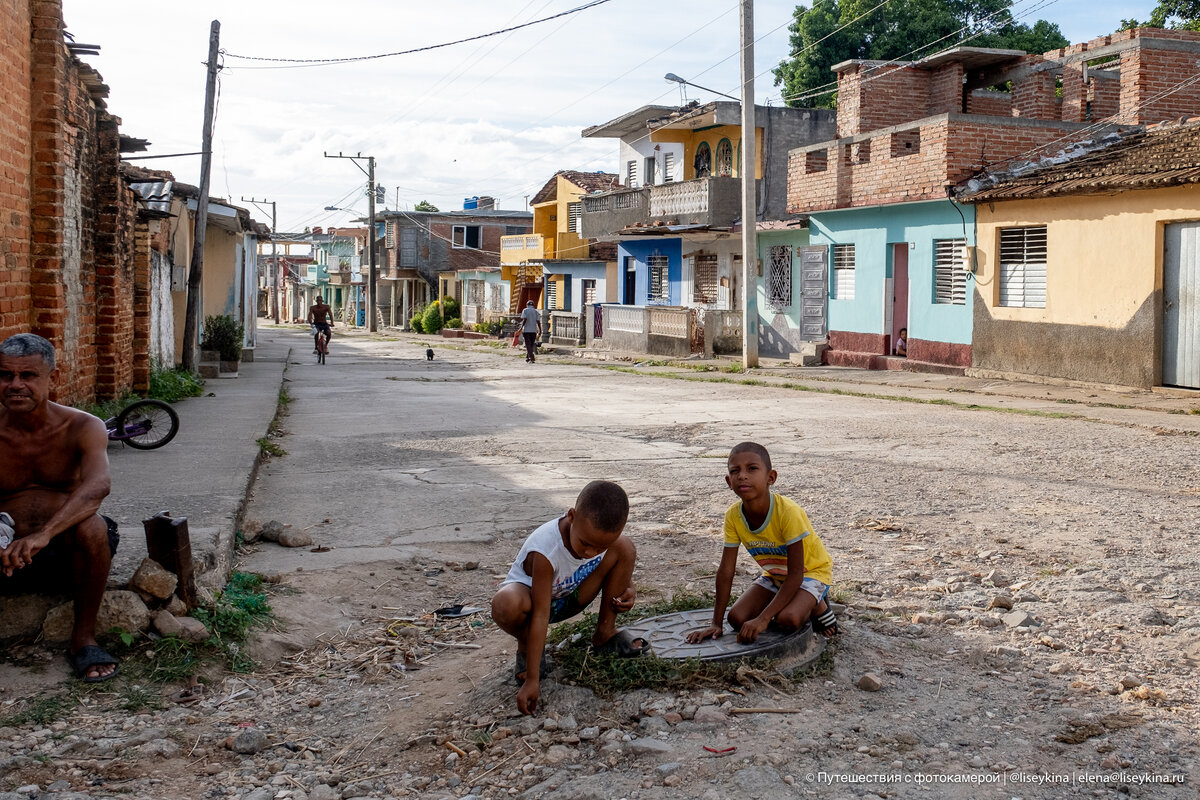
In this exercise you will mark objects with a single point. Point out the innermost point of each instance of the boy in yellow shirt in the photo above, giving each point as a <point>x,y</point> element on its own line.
<point>797,569</point>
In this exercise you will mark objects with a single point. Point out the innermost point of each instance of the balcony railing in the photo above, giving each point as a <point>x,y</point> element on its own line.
<point>715,202</point>
<point>517,249</point>
<point>566,327</point>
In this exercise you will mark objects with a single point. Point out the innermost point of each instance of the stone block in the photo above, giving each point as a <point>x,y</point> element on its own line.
<point>119,609</point>
<point>21,616</point>
<point>153,580</point>
<point>209,370</point>
<point>810,354</point>
<point>193,629</point>
<point>166,624</point>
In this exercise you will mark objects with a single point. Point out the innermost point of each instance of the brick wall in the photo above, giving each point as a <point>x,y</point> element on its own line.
<point>1147,73</point>
<point>989,103</point>
<point>67,219</point>
<point>870,98</point>
<point>946,90</point>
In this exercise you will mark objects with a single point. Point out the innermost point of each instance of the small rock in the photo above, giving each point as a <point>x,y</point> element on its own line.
<point>1130,682</point>
<point>176,606</point>
<point>589,733</point>
<point>323,792</point>
<point>262,793</point>
<point>650,747</point>
<point>672,717</point>
<point>567,724</point>
<point>870,682</point>
<point>193,630</point>
<point>549,724</point>
<point>1018,619</point>
<point>249,742</point>
<point>270,532</point>
<point>290,538</point>
<point>159,747</point>
<point>1001,601</point>
<point>996,578</point>
<point>154,580</point>
<point>119,609</point>
<point>556,754</point>
<point>709,714</point>
<point>922,619</point>
<point>166,624</point>
<point>1059,668</point>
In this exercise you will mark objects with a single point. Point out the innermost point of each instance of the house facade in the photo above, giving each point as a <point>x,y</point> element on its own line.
<point>898,248</point>
<point>1089,267</point>
<point>676,217</point>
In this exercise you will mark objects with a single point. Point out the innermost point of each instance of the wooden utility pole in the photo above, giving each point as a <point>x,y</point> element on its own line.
<point>749,195</point>
<point>372,321</point>
<point>196,273</point>
<point>276,296</point>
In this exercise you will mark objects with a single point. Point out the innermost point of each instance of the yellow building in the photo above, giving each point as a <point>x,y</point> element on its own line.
<point>557,210</point>
<point>1089,269</point>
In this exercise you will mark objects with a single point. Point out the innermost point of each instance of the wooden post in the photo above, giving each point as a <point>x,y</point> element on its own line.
<point>168,543</point>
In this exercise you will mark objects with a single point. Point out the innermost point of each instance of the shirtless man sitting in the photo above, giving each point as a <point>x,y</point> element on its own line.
<point>53,476</point>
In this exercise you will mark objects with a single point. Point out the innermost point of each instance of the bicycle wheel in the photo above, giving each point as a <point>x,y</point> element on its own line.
<point>147,424</point>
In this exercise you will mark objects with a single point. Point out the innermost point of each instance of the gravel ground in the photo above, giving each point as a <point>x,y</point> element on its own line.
<point>1020,588</point>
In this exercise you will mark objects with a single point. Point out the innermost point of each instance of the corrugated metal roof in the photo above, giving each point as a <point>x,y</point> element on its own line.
<point>155,194</point>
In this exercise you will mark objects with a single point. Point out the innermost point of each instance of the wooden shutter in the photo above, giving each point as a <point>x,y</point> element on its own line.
<point>949,277</point>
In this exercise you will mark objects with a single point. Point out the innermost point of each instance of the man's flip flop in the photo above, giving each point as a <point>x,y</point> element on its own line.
<point>622,643</point>
<point>88,656</point>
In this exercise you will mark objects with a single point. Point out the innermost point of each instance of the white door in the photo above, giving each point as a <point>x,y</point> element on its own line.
<point>1181,305</point>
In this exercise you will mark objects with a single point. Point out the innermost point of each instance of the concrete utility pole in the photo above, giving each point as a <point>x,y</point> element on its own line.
<point>749,195</point>
<point>276,278</point>
<point>372,322</point>
<point>196,273</point>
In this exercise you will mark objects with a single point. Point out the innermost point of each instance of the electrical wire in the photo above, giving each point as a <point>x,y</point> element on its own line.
<point>326,61</point>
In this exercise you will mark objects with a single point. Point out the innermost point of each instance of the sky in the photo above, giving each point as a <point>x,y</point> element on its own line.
<point>498,116</point>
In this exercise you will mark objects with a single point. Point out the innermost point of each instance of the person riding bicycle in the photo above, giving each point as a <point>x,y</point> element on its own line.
<point>320,316</point>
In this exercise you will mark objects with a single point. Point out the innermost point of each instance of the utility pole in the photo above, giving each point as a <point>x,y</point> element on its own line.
<point>196,272</point>
<point>749,195</point>
<point>372,322</point>
<point>276,278</point>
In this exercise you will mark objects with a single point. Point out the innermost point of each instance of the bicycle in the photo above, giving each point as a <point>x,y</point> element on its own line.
<point>321,339</point>
<point>143,425</point>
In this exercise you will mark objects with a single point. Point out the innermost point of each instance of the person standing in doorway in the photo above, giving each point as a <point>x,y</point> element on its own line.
<point>531,327</point>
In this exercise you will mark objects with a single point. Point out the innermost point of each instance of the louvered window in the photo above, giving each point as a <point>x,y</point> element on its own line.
<point>389,234</point>
<point>843,271</point>
<point>949,277</point>
<point>631,174</point>
<point>659,288</point>
<point>574,212</point>
<point>1023,267</point>
<point>704,284</point>
<point>779,282</point>
<point>668,167</point>
<point>551,294</point>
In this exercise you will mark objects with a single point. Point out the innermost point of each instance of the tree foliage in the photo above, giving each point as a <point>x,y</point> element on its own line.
<point>1182,14</point>
<point>425,205</point>
<point>902,30</point>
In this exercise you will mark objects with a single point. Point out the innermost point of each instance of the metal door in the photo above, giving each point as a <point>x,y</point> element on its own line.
<point>1181,305</point>
<point>814,290</point>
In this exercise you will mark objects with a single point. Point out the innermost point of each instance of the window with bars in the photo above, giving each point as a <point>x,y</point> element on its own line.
<point>668,167</point>
<point>949,277</point>
<point>724,158</point>
<point>1023,267</point>
<point>843,272</point>
<point>496,297</point>
<point>631,174</point>
<point>408,247</point>
<point>702,164</point>
<point>574,212</point>
<point>704,278</point>
<point>589,290</point>
<point>779,281</point>
<point>659,288</point>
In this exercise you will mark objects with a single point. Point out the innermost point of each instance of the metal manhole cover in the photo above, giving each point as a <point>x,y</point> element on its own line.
<point>667,636</point>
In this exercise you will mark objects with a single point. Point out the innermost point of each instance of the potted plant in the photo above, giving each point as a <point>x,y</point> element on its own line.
<point>223,334</point>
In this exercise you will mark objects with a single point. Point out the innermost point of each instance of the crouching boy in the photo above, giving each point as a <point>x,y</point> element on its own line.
<point>797,569</point>
<point>560,569</point>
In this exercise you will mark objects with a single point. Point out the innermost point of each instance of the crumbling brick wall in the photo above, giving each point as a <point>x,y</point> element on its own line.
<point>67,218</point>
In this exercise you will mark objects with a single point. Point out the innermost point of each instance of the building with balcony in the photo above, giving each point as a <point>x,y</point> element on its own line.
<point>897,250</point>
<point>568,269</point>
<point>420,246</point>
<point>676,218</point>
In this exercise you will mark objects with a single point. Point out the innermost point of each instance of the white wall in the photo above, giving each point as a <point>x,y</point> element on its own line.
<point>725,248</point>
<point>162,311</point>
<point>640,149</point>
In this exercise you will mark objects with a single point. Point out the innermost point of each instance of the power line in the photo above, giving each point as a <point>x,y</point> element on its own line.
<point>322,61</point>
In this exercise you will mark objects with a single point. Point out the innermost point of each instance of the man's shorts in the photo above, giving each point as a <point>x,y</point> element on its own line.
<point>50,570</point>
<point>322,327</point>
<point>565,607</point>
<point>810,585</point>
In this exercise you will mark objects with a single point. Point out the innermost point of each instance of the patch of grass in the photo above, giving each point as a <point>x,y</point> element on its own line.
<point>269,448</point>
<point>172,385</point>
<point>733,367</point>
<point>43,710</point>
<point>110,408</point>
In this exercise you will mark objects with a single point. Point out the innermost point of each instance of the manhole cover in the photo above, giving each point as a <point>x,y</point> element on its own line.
<point>667,636</point>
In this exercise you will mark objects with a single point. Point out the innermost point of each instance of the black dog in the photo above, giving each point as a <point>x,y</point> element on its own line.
<point>429,354</point>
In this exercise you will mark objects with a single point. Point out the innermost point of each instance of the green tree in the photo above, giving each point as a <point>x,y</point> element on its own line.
<point>425,205</point>
<point>903,30</point>
<point>1181,14</point>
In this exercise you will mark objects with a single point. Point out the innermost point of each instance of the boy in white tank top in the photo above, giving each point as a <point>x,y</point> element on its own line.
<point>561,568</point>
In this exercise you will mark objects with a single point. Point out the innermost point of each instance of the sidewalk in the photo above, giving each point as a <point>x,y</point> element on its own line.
<point>205,473</point>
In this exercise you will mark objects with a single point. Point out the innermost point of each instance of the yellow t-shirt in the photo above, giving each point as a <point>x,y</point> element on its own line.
<point>786,524</point>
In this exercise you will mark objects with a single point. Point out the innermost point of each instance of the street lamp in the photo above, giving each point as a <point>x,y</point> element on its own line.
<point>347,210</point>
<point>671,76</point>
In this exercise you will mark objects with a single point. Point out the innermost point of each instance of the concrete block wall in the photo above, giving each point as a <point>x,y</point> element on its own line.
<point>870,99</point>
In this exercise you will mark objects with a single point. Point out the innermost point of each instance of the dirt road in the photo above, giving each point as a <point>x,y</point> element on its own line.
<point>1022,586</point>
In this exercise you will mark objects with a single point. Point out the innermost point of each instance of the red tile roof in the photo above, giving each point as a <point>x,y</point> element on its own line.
<point>588,181</point>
